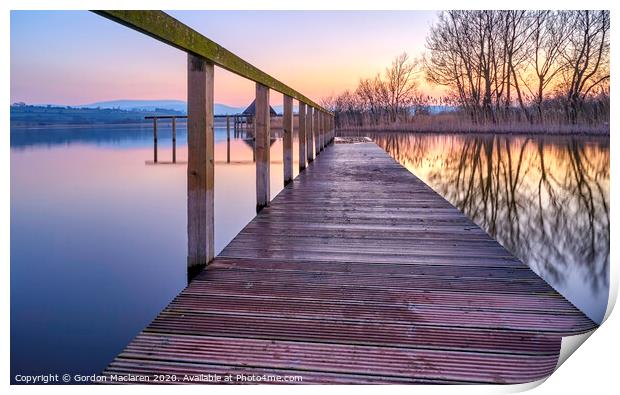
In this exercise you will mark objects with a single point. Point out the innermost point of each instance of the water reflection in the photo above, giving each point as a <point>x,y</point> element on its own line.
<point>99,237</point>
<point>545,199</point>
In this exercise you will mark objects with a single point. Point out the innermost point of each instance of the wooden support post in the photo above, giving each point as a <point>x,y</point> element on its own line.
<point>326,126</point>
<point>329,130</point>
<point>155,139</point>
<point>315,132</point>
<point>320,130</point>
<point>287,139</point>
<point>261,143</point>
<point>302,136</point>
<point>227,139</point>
<point>323,131</point>
<point>200,164</point>
<point>326,129</point>
<point>309,135</point>
<point>174,140</point>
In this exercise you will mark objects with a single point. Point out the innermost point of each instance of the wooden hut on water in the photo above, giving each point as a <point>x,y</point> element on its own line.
<point>250,112</point>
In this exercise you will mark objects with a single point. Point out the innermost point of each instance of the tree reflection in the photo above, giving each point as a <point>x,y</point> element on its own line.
<point>545,199</point>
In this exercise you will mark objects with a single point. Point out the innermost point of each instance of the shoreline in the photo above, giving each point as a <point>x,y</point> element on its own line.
<point>507,132</point>
<point>501,130</point>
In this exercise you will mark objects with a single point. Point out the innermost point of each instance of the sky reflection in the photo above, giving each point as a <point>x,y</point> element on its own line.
<point>545,199</point>
<point>99,237</point>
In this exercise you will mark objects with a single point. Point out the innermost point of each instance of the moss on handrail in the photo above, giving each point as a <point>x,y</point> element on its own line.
<point>169,30</point>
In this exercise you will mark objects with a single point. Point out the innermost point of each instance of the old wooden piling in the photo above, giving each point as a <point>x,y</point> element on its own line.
<point>200,163</point>
<point>315,132</point>
<point>309,133</point>
<point>155,139</point>
<point>287,138</point>
<point>302,136</point>
<point>262,140</point>
<point>174,140</point>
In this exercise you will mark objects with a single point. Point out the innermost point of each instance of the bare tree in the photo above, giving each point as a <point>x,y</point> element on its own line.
<point>587,58</point>
<point>372,97</point>
<point>545,67</point>
<point>400,85</point>
<point>548,41</point>
<point>489,59</point>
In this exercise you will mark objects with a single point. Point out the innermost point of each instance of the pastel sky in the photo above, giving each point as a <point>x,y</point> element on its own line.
<point>76,57</point>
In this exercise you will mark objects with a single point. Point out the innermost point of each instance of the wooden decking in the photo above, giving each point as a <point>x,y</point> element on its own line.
<point>360,273</point>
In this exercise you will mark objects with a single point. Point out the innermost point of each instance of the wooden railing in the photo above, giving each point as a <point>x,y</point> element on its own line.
<point>316,124</point>
<point>240,122</point>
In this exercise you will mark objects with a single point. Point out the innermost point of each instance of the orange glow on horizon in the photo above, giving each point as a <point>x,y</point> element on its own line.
<point>90,66</point>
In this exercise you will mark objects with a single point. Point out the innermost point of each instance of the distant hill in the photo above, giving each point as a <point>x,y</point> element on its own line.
<point>27,115</point>
<point>152,105</point>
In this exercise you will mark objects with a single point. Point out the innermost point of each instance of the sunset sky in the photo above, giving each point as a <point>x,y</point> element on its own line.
<point>76,57</point>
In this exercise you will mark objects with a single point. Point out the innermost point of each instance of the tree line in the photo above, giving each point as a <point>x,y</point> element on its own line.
<point>535,67</point>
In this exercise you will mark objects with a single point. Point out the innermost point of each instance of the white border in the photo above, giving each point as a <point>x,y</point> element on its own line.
<point>591,370</point>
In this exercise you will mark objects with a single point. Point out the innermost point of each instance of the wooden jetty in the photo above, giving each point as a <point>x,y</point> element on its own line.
<point>357,272</point>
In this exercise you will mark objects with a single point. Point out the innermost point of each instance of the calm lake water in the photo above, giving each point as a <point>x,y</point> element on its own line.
<point>99,235</point>
<point>99,238</point>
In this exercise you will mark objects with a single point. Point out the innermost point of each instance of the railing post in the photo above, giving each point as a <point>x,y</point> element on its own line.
<point>302,136</point>
<point>328,121</point>
<point>315,132</point>
<point>287,139</point>
<point>155,139</point>
<point>327,130</point>
<point>227,139</point>
<point>261,142</point>
<point>323,131</point>
<point>174,140</point>
<point>200,164</point>
<point>309,135</point>
<point>320,130</point>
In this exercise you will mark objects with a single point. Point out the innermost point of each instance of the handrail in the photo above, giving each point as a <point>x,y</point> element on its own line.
<point>165,116</point>
<point>316,123</point>
<point>171,31</point>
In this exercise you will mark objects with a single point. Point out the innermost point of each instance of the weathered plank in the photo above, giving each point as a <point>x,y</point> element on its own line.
<point>360,273</point>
